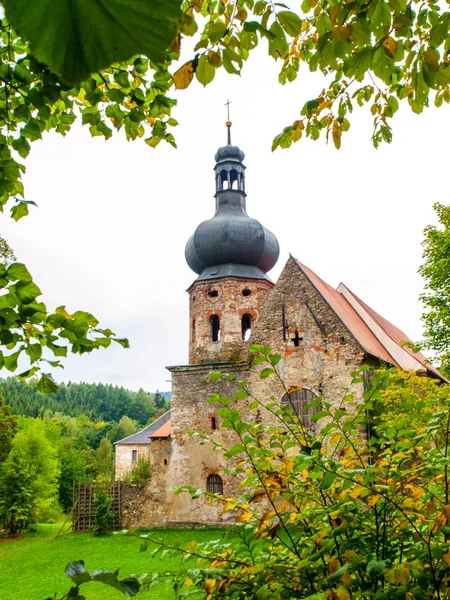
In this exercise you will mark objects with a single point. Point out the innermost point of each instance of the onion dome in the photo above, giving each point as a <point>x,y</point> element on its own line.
<point>231,242</point>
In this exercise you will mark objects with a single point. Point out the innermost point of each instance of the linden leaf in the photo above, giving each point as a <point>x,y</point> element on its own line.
<point>390,46</point>
<point>446,557</point>
<point>76,39</point>
<point>341,33</point>
<point>205,70</point>
<point>431,59</point>
<point>185,74</point>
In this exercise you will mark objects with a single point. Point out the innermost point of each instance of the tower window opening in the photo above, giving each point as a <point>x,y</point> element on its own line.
<point>246,292</point>
<point>213,293</point>
<point>214,484</point>
<point>296,405</point>
<point>215,328</point>
<point>193,330</point>
<point>166,462</point>
<point>223,178</point>
<point>213,423</point>
<point>246,326</point>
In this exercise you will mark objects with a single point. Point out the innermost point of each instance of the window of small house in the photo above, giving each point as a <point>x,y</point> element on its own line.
<point>296,405</point>
<point>214,484</point>
<point>134,456</point>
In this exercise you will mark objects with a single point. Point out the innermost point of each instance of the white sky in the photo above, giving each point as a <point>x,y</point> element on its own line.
<point>113,217</point>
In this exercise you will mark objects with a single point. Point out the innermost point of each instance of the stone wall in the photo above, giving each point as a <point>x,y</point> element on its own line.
<point>192,462</point>
<point>325,356</point>
<point>230,304</point>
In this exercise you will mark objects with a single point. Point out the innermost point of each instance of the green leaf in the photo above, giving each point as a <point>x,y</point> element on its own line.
<point>20,209</point>
<point>27,292</point>
<point>76,39</point>
<point>11,361</point>
<point>18,271</point>
<point>376,568</point>
<point>47,385</point>
<point>398,5</point>
<point>266,372</point>
<point>215,375</point>
<point>34,351</point>
<point>290,22</point>
<point>74,568</point>
<point>205,70</point>
<point>327,481</point>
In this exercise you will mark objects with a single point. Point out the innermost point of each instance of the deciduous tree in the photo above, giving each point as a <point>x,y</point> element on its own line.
<point>436,298</point>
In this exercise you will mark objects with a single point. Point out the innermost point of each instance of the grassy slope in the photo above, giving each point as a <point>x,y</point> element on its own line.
<point>32,568</point>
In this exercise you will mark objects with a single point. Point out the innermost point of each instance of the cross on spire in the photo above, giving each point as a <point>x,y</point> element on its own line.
<point>228,123</point>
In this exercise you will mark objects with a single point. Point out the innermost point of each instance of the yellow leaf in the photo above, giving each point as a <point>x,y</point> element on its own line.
<point>337,134</point>
<point>209,585</point>
<point>292,516</point>
<point>341,33</point>
<point>390,46</point>
<point>357,491</point>
<point>333,565</point>
<point>343,594</point>
<point>346,579</point>
<point>431,59</point>
<point>244,517</point>
<point>446,557</point>
<point>296,135</point>
<point>214,58</point>
<point>373,500</point>
<point>183,77</point>
<point>187,582</point>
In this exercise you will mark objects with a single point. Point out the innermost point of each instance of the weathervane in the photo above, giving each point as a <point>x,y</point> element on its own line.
<point>228,123</point>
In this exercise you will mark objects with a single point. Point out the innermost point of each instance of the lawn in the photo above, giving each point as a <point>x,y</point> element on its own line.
<point>32,567</point>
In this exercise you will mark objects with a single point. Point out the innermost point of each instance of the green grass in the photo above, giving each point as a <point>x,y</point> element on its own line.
<point>32,567</point>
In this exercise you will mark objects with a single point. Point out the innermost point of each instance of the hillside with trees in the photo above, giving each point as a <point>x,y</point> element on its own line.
<point>96,401</point>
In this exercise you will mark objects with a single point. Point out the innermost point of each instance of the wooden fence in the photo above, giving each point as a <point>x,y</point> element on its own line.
<point>83,511</point>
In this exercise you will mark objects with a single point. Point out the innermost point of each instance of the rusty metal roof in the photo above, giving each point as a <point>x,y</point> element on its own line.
<point>348,316</point>
<point>164,431</point>
<point>375,334</point>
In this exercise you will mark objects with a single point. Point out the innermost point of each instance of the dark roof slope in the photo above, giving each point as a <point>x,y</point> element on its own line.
<point>143,436</point>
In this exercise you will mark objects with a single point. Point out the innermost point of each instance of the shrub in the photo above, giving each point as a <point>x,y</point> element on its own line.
<point>359,510</point>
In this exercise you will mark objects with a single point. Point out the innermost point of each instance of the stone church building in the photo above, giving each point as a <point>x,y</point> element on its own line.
<point>322,333</point>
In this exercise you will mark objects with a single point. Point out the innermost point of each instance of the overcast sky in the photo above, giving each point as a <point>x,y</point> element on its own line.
<point>113,217</point>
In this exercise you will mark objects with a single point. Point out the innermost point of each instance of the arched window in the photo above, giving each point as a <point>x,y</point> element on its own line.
<point>246,326</point>
<point>215,327</point>
<point>214,484</point>
<point>297,401</point>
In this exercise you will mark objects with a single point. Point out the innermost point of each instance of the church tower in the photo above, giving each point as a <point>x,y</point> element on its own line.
<point>231,253</point>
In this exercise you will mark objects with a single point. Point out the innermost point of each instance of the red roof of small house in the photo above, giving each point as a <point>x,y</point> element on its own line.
<point>163,432</point>
<point>374,333</point>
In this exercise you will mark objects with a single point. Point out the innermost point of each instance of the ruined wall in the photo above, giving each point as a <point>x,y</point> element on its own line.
<point>230,304</point>
<point>191,462</point>
<point>145,504</point>
<point>124,453</point>
<point>324,358</point>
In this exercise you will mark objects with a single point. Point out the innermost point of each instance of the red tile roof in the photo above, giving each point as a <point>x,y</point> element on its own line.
<point>163,432</point>
<point>357,318</point>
